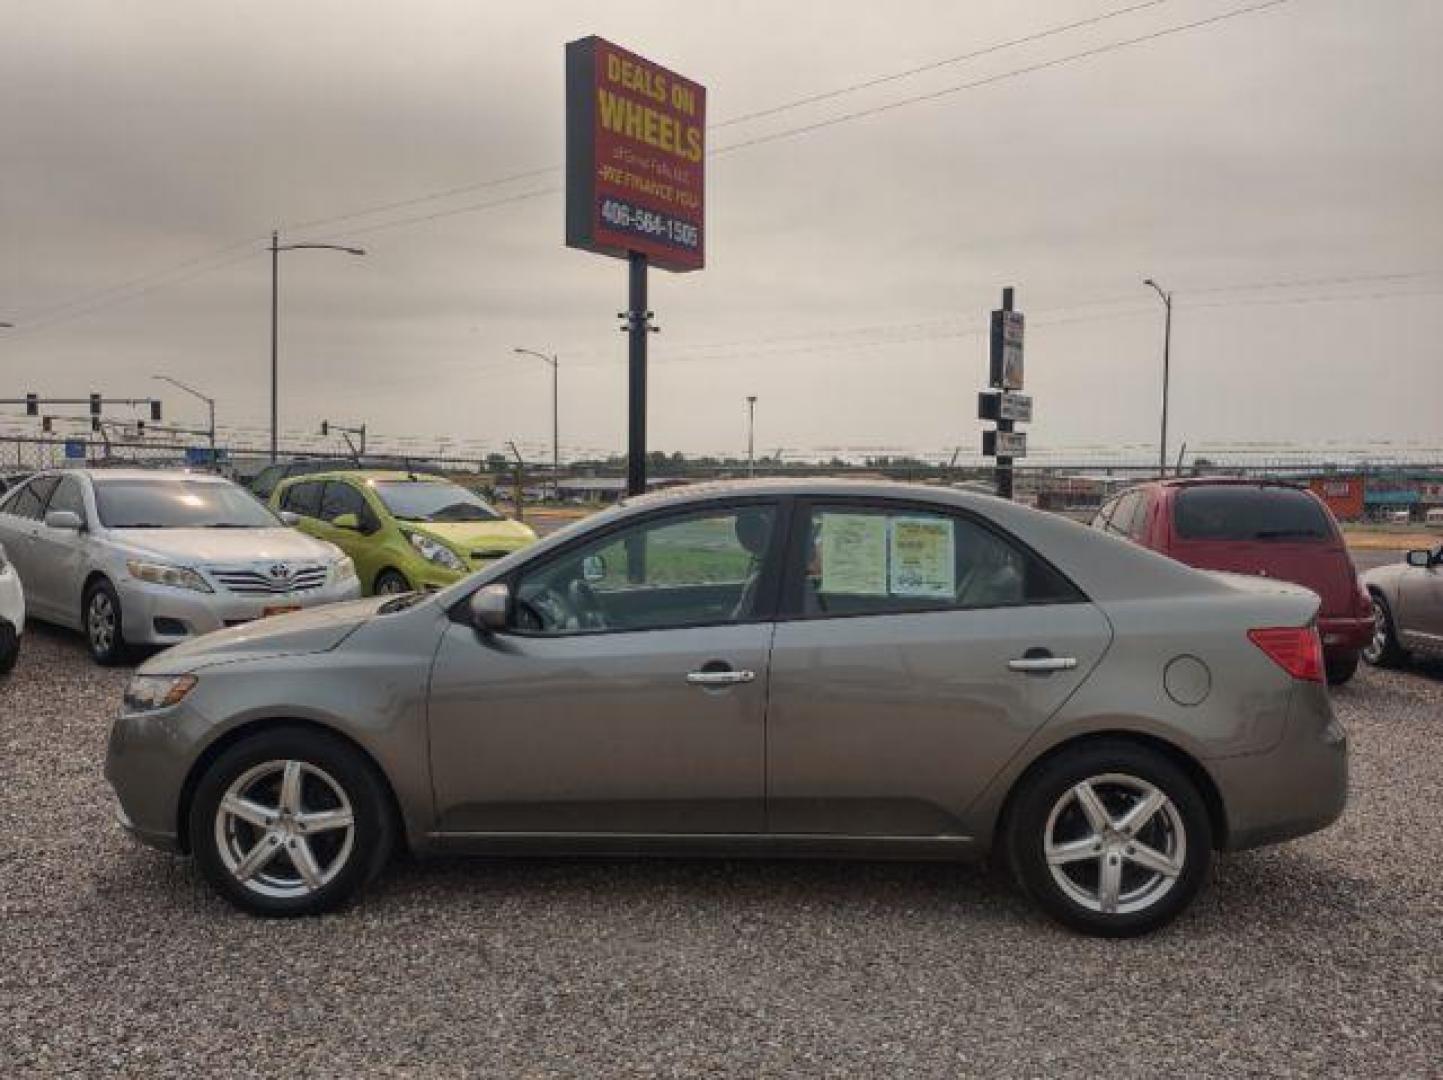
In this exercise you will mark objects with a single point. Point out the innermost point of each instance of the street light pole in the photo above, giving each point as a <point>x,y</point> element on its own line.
<point>751,434</point>
<point>210,405</point>
<point>1166,298</point>
<point>554,362</point>
<point>276,248</point>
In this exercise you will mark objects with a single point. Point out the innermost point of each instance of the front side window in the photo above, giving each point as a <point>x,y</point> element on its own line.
<point>68,496</point>
<point>166,503</point>
<point>870,561</point>
<point>694,569</point>
<point>430,500</point>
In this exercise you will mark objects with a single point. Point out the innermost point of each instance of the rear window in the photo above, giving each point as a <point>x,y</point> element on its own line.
<point>1249,513</point>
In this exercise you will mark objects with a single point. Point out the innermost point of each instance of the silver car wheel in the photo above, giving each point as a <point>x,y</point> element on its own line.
<point>285,829</point>
<point>1378,643</point>
<point>1115,844</point>
<point>100,621</point>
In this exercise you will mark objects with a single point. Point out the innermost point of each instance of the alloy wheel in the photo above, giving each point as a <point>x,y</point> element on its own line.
<point>100,621</point>
<point>285,829</point>
<point>1115,844</point>
<point>1378,643</point>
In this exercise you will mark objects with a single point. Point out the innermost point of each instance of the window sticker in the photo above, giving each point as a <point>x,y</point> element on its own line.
<point>922,558</point>
<point>854,554</point>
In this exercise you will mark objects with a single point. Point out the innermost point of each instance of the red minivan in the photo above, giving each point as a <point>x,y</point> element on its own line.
<point>1261,527</point>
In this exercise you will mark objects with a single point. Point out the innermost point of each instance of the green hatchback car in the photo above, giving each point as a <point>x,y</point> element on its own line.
<point>404,531</point>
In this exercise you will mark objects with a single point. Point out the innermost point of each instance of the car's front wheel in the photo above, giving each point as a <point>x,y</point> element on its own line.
<point>104,632</point>
<point>391,583</point>
<point>1111,839</point>
<point>291,821</point>
<point>1383,649</point>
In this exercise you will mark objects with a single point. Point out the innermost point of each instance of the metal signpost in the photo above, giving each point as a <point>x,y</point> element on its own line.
<point>635,164</point>
<point>1003,404</point>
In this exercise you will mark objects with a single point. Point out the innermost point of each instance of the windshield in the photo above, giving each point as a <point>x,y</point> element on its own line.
<point>1249,513</point>
<point>429,500</point>
<point>166,503</point>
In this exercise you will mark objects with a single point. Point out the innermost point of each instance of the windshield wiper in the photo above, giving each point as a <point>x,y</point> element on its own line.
<point>400,603</point>
<point>232,525</point>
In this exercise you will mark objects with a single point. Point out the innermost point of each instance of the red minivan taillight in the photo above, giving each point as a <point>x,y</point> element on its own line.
<point>1296,649</point>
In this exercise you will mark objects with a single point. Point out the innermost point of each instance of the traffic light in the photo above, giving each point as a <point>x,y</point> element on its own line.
<point>95,423</point>
<point>45,425</point>
<point>32,405</point>
<point>155,411</point>
<point>325,427</point>
<point>94,405</point>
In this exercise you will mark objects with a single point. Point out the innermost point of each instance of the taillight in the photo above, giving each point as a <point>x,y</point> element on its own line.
<point>1296,649</point>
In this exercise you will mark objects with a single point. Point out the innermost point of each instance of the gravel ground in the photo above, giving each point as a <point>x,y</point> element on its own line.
<point>1324,956</point>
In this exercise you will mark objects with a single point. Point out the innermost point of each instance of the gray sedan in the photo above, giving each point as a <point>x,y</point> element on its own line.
<point>1407,608</point>
<point>811,668</point>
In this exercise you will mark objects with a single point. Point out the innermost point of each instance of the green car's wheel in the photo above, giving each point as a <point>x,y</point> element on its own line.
<point>391,582</point>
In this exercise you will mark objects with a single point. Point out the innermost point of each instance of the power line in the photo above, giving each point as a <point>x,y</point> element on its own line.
<point>859,114</point>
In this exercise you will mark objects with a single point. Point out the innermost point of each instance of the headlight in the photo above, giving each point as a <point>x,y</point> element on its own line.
<point>146,693</point>
<point>343,570</point>
<point>181,577</point>
<point>439,554</point>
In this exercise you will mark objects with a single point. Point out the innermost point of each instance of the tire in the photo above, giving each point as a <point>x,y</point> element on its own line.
<point>280,857</point>
<point>1340,671</point>
<point>1047,811</point>
<point>102,624</point>
<point>9,648</point>
<point>391,583</point>
<point>1383,650</point>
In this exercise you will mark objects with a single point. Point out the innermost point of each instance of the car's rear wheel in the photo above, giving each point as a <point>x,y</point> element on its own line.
<point>9,647</point>
<point>391,582</point>
<point>1383,649</point>
<point>290,822</point>
<point>1111,839</point>
<point>1341,670</point>
<point>104,632</point>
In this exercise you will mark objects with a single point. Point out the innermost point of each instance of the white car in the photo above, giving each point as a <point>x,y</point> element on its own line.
<point>150,557</point>
<point>12,614</point>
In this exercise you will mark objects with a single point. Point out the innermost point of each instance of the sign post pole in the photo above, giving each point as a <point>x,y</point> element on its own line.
<point>638,323</point>
<point>1004,463</point>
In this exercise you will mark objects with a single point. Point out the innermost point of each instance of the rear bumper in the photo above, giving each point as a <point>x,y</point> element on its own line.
<point>1342,636</point>
<point>1298,787</point>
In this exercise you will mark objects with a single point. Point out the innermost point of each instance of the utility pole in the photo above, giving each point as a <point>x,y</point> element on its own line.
<point>520,482</point>
<point>751,431</point>
<point>276,248</point>
<point>1166,298</point>
<point>554,361</point>
<point>638,325</point>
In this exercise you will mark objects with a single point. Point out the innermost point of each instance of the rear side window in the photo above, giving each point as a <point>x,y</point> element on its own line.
<point>1237,512</point>
<point>303,499</point>
<point>30,500</point>
<point>871,561</point>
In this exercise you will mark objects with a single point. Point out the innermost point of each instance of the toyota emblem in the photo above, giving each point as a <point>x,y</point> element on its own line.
<point>280,572</point>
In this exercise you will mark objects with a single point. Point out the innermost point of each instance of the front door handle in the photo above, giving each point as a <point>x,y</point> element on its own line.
<point>1043,664</point>
<point>719,678</point>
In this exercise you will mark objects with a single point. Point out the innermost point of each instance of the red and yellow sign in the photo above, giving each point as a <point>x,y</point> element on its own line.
<point>635,157</point>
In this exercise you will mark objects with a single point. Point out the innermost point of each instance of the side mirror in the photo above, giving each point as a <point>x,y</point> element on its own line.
<point>593,568</point>
<point>347,521</point>
<point>290,518</point>
<point>1421,557</point>
<point>490,605</point>
<point>63,519</point>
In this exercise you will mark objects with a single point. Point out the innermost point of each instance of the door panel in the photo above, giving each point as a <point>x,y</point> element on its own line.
<point>599,732</point>
<point>894,724</point>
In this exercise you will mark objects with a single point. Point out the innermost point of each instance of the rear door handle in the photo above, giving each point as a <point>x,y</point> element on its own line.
<point>1043,664</point>
<point>719,678</point>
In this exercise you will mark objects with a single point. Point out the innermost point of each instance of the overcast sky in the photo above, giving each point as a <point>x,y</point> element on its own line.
<point>850,268</point>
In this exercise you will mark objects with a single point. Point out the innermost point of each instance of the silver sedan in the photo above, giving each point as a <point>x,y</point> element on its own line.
<point>155,557</point>
<point>1407,608</point>
<point>812,668</point>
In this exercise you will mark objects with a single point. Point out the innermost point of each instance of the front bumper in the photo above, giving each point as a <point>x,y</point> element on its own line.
<point>164,615</point>
<point>146,762</point>
<point>1298,787</point>
<point>1345,635</point>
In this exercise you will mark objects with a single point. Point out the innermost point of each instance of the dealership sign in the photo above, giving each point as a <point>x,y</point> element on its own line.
<point>1006,352</point>
<point>992,405</point>
<point>1008,444</point>
<point>635,157</point>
